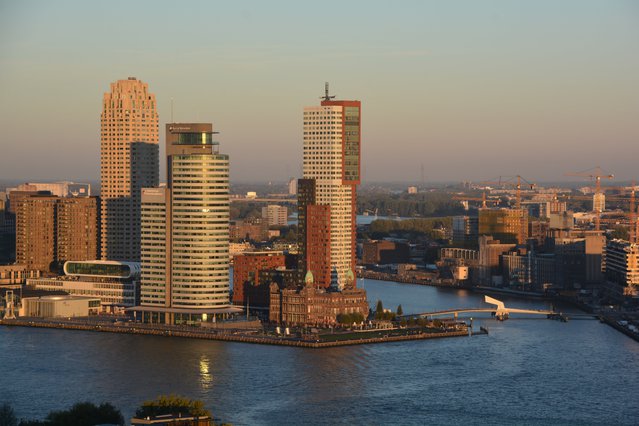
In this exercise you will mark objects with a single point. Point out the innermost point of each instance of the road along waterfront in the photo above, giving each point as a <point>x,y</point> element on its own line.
<point>532,371</point>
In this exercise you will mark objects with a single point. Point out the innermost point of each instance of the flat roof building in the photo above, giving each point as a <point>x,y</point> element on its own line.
<point>116,284</point>
<point>59,306</point>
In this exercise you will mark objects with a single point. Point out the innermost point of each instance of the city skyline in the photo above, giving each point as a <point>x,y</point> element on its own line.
<point>498,88</point>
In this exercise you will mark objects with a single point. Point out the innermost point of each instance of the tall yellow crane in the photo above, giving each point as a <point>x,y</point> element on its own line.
<point>596,173</point>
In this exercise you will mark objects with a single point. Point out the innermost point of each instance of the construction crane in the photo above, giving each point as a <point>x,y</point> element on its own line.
<point>632,216</point>
<point>482,199</point>
<point>596,173</point>
<point>513,182</point>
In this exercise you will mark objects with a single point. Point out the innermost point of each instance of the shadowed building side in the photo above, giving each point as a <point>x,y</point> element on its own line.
<point>129,161</point>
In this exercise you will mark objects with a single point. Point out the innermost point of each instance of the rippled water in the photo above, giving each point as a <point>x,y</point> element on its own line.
<point>526,371</point>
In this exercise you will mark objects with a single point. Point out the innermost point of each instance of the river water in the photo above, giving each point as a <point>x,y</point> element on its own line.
<point>526,371</point>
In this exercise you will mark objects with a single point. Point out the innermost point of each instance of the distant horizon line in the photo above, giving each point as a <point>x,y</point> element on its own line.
<point>281,181</point>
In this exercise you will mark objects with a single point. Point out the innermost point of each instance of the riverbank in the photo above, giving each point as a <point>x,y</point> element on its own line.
<point>407,279</point>
<point>614,323</point>
<point>385,336</point>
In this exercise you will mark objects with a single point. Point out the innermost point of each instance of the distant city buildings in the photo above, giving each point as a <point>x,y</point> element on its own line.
<point>185,231</point>
<point>465,230</point>
<point>275,215</point>
<point>16,274</point>
<point>129,161</point>
<point>254,229</point>
<point>292,186</point>
<point>598,202</point>
<point>59,189</point>
<point>489,261</point>
<point>385,252</point>
<point>622,270</point>
<point>506,225</point>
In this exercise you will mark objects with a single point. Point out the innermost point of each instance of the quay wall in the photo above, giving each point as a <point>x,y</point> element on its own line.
<point>229,337</point>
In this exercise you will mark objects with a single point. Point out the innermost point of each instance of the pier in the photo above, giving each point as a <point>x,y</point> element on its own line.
<point>313,342</point>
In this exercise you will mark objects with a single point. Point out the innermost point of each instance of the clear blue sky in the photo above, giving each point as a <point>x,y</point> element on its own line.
<point>470,89</point>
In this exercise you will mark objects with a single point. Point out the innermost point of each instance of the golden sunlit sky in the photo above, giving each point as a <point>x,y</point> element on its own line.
<point>470,89</point>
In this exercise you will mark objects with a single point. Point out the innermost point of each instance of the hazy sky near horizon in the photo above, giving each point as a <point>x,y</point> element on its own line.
<point>470,89</point>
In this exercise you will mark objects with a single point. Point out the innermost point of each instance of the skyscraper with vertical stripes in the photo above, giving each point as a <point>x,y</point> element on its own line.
<point>185,231</point>
<point>327,193</point>
<point>129,161</point>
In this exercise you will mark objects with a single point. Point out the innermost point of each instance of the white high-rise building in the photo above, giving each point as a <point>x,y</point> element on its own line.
<point>185,231</point>
<point>332,160</point>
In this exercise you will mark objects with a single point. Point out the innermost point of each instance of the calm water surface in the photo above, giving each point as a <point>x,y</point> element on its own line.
<point>526,371</point>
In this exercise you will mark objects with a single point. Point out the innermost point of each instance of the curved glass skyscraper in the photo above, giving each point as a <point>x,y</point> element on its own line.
<point>185,230</point>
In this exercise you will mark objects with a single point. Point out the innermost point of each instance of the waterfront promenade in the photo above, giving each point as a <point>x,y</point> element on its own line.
<point>241,336</point>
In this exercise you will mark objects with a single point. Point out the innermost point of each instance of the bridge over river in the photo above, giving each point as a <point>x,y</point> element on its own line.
<point>499,310</point>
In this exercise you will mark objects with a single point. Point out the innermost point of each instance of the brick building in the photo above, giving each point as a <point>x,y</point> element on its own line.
<point>254,229</point>
<point>247,280</point>
<point>51,230</point>
<point>384,252</point>
<point>310,305</point>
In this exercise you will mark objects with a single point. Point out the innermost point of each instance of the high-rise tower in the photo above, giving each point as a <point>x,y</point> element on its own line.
<point>129,161</point>
<point>185,231</point>
<point>328,196</point>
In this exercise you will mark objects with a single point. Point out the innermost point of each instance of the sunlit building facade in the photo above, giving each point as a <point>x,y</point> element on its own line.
<point>331,165</point>
<point>129,161</point>
<point>185,231</point>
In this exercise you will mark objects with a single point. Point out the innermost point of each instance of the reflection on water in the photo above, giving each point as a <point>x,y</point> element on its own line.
<point>523,372</point>
<point>206,379</point>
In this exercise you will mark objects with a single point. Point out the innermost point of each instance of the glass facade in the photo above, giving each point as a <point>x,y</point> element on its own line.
<point>351,144</point>
<point>199,138</point>
<point>118,270</point>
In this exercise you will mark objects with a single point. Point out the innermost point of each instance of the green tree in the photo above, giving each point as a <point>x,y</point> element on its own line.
<point>7,416</point>
<point>172,404</point>
<point>379,310</point>
<point>400,311</point>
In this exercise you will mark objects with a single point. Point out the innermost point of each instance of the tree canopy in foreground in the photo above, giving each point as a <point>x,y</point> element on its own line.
<point>172,404</point>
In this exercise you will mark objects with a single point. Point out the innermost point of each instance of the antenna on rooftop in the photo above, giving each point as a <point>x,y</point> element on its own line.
<point>326,96</point>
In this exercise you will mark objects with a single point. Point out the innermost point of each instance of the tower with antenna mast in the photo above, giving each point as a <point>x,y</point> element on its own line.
<point>326,96</point>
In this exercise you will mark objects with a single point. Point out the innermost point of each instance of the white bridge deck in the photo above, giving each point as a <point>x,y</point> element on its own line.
<point>499,310</point>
